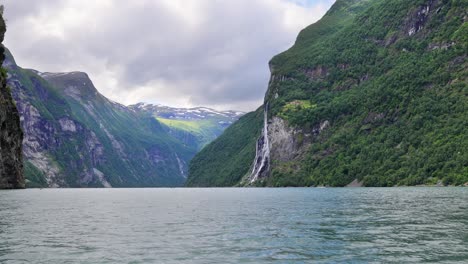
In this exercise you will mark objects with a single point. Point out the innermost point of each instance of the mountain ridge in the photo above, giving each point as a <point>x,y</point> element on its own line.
<point>75,137</point>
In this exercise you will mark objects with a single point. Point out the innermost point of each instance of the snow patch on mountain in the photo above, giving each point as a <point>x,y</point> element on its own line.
<point>196,113</point>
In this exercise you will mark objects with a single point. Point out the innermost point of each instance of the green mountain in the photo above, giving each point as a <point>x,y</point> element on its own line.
<point>195,127</point>
<point>373,94</point>
<point>227,159</point>
<point>75,137</point>
<point>11,136</point>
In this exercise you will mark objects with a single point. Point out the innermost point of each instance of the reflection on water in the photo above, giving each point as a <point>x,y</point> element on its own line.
<point>303,225</point>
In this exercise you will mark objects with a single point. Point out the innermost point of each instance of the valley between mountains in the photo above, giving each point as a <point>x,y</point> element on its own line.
<point>76,137</point>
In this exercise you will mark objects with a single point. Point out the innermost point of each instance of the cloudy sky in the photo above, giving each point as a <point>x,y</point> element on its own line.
<point>211,53</point>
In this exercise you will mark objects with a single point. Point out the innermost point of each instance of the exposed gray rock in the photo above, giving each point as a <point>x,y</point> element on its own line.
<point>101,178</point>
<point>316,73</point>
<point>289,143</point>
<point>283,142</point>
<point>418,19</point>
<point>355,183</point>
<point>67,125</point>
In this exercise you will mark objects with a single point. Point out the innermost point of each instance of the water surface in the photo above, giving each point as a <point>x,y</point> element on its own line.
<point>290,225</point>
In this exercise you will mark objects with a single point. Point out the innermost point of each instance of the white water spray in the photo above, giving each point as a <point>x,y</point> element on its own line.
<point>262,153</point>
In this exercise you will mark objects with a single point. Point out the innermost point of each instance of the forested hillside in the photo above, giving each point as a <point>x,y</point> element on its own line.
<point>375,93</point>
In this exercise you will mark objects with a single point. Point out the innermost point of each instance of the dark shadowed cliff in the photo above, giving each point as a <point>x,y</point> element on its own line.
<point>11,136</point>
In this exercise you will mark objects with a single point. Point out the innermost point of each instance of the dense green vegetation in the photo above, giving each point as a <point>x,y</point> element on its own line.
<point>226,160</point>
<point>391,78</point>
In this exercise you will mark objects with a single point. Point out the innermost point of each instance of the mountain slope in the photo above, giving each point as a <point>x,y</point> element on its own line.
<point>75,137</point>
<point>195,127</point>
<point>11,165</point>
<point>375,93</point>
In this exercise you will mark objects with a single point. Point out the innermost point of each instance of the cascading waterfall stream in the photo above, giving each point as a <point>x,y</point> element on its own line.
<point>262,153</point>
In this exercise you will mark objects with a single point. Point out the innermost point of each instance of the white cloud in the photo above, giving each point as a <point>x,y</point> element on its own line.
<point>175,52</point>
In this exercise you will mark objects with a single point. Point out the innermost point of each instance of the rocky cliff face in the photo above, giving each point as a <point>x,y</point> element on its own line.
<point>11,165</point>
<point>75,137</point>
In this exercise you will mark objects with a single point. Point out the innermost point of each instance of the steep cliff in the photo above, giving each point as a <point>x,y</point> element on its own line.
<point>375,93</point>
<point>75,137</point>
<point>11,136</point>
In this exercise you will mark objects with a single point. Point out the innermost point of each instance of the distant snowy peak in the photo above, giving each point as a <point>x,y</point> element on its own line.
<point>196,113</point>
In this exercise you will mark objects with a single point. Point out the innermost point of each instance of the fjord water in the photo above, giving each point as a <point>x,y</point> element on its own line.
<point>290,225</point>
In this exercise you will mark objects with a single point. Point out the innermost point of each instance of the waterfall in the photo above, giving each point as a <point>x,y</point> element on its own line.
<point>262,151</point>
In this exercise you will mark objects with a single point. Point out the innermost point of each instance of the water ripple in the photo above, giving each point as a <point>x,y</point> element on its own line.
<point>304,225</point>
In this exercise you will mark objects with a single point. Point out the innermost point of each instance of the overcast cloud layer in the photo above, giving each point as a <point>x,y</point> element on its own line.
<point>175,52</point>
